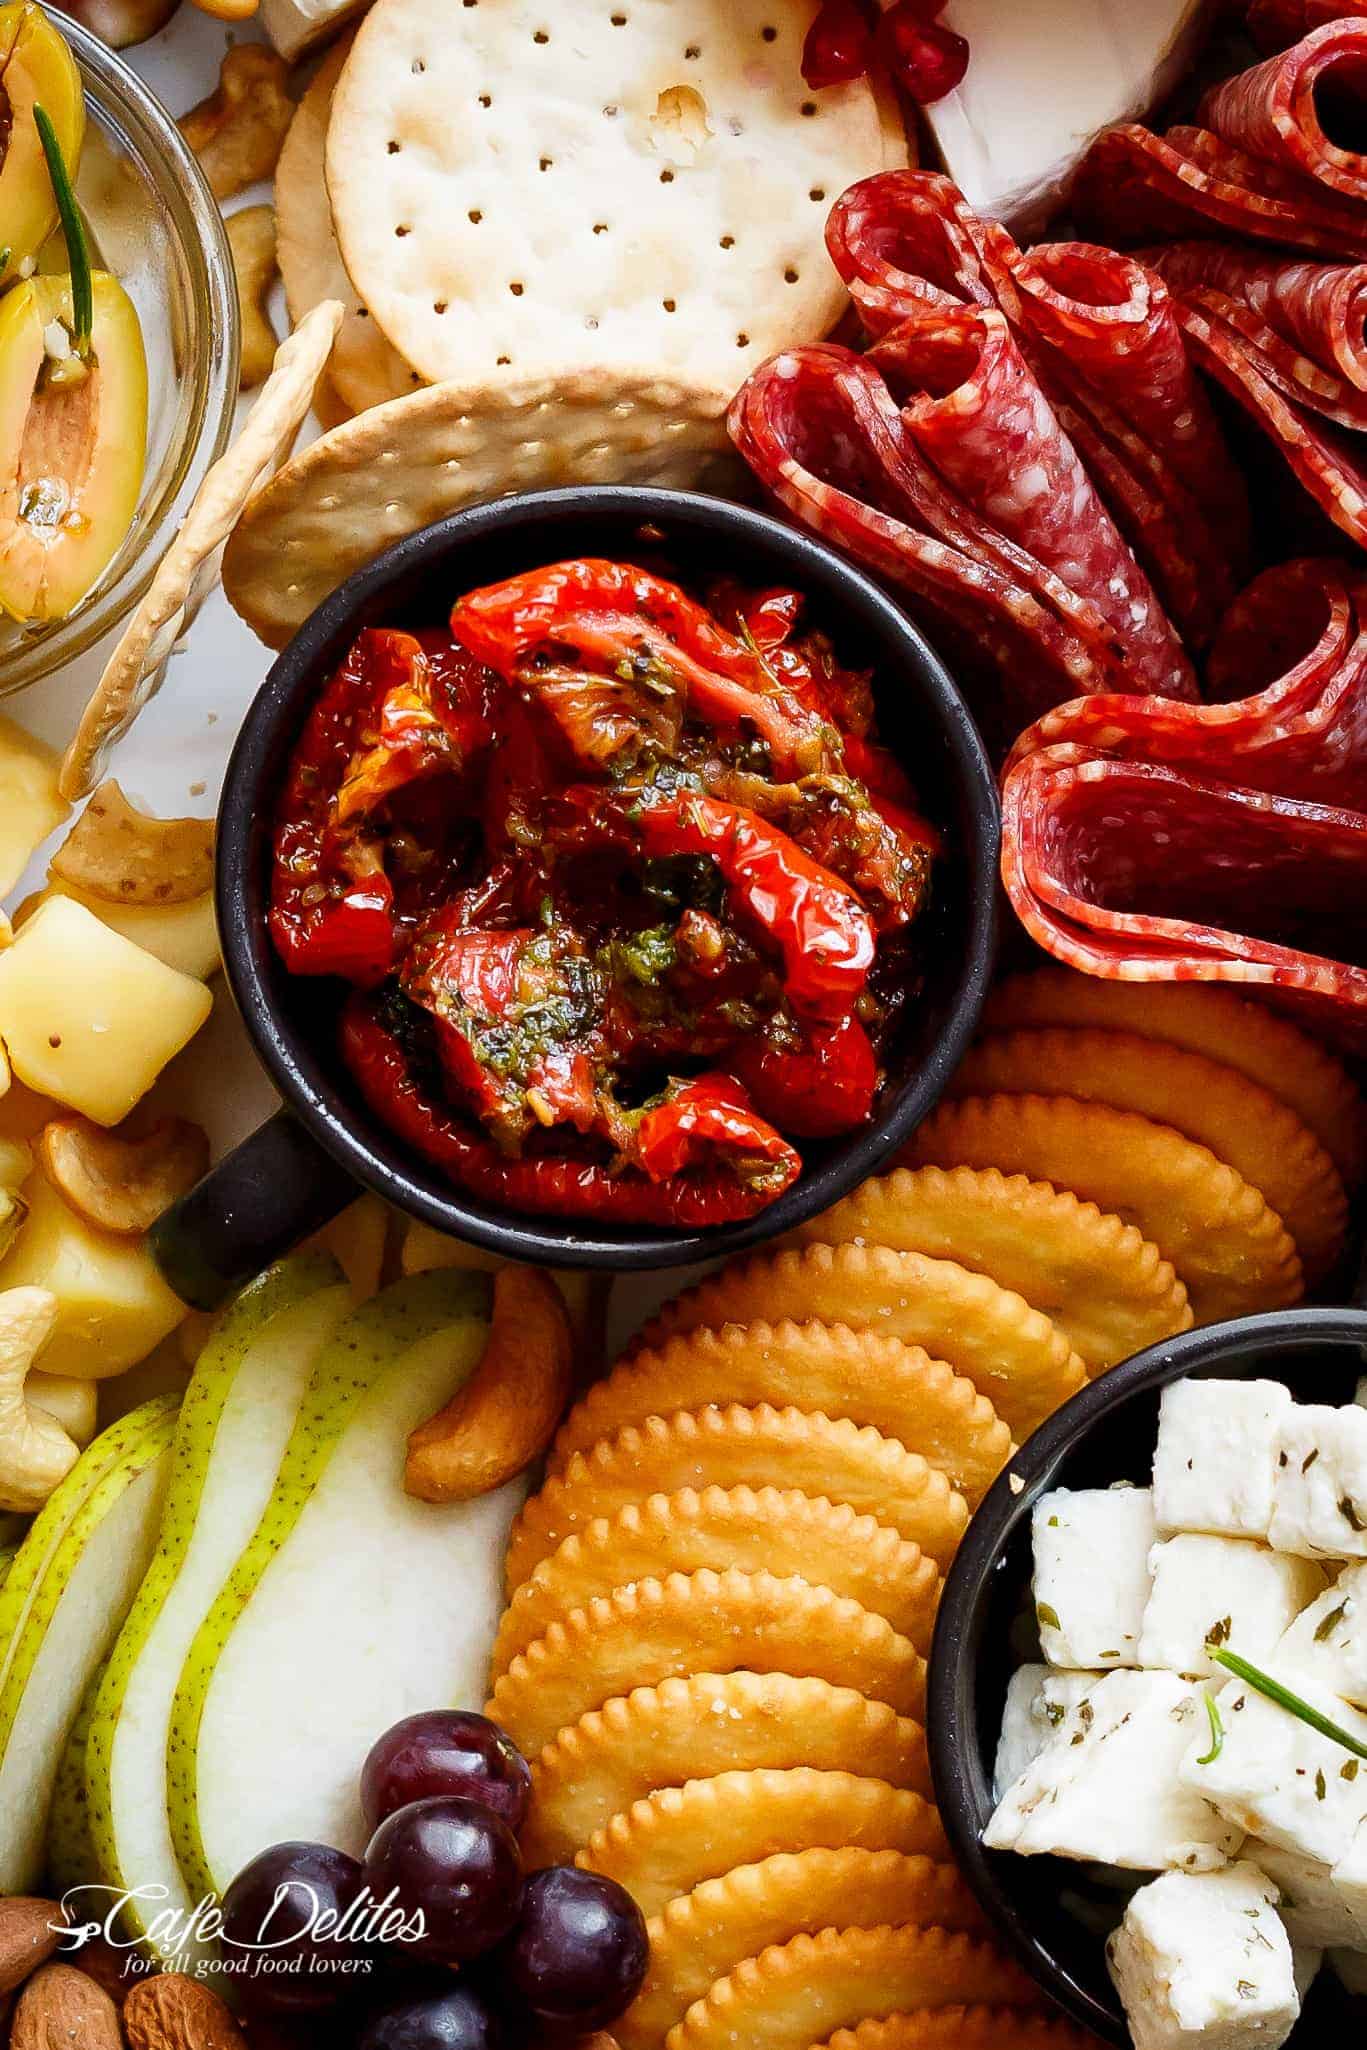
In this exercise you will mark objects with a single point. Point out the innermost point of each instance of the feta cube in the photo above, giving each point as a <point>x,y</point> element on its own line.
<point>1037,1702</point>
<point>1319,1500</point>
<point>1092,1550</point>
<point>1340,1625</point>
<point>1203,1959</point>
<point>1226,1590</point>
<point>1316,1914</point>
<point>1106,1786</point>
<point>1216,1455</point>
<point>1305,1966</point>
<point>1350,1884</point>
<point>1274,1775</point>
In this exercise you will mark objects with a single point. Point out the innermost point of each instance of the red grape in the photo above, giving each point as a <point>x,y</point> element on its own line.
<point>445,1751</point>
<point>454,1863</point>
<point>839,44</point>
<point>579,1952</point>
<point>435,2014</point>
<point>927,59</point>
<point>274,1914</point>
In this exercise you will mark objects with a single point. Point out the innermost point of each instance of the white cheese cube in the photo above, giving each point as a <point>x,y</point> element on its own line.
<point>1316,1914</point>
<point>1037,1702</point>
<point>1106,1787</point>
<point>1340,1625</point>
<point>1203,1959</point>
<point>1092,1550</point>
<point>1221,1590</point>
<point>1216,1456</point>
<point>1274,1775</point>
<point>1305,1966</point>
<point>1319,1501</point>
<point>1350,1884</point>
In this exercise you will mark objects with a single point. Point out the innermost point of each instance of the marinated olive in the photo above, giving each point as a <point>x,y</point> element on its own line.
<point>73,436</point>
<point>35,66</point>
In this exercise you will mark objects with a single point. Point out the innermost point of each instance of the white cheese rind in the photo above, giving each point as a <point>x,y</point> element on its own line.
<point>1229,1589</point>
<point>1319,1500</point>
<point>1315,1912</point>
<point>1043,80</point>
<point>1215,1461</point>
<point>1204,1960</point>
<point>1107,1786</point>
<point>1092,1550</point>
<point>1038,1702</point>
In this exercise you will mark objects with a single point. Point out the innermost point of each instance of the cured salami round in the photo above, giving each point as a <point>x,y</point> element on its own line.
<point>1224,842</point>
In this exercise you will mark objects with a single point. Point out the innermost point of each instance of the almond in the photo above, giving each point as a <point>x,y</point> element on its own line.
<point>60,2009</point>
<point>118,1971</point>
<point>172,2012</point>
<point>30,1931</point>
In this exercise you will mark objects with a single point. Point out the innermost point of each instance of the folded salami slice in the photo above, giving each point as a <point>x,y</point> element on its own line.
<point>1275,111</point>
<point>1223,842</point>
<point>1101,337</point>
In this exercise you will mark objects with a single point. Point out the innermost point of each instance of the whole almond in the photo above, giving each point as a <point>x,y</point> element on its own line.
<point>118,1971</point>
<point>60,2009</point>
<point>172,2012</point>
<point>30,1931</point>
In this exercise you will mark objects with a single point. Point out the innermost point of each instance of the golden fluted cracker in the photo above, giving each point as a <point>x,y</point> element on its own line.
<point>366,370</point>
<point>896,1388</point>
<point>1013,1354</point>
<point>1238,1120</point>
<point>370,481</point>
<point>795,1994</point>
<point>725,1448</point>
<point>1229,1247</point>
<point>675,1838</point>
<point>963,2028</point>
<point>1107,1288</point>
<point>697,1728</point>
<point>700,1937</point>
<point>766,1530</point>
<point>1243,1034</point>
<point>664,1629</point>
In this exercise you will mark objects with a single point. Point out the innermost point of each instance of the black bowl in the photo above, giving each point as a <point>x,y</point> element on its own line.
<point>1106,1433</point>
<point>256,1202</point>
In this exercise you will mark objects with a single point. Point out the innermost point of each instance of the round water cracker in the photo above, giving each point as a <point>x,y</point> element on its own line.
<point>1110,1292</point>
<point>700,1937</point>
<point>760,1447</point>
<point>794,1994</point>
<point>898,1389</point>
<point>520,190</point>
<point>188,568</point>
<point>1233,1252</point>
<point>773,1530</point>
<point>1245,1035</point>
<point>698,1728</point>
<point>370,481</point>
<point>664,1629</point>
<point>366,369</point>
<point>1015,1356</point>
<point>1240,1121</point>
<point>675,1838</point>
<point>957,2028</point>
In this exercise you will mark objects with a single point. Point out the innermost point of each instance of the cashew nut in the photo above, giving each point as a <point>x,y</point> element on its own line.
<point>75,1404</point>
<point>125,856</point>
<point>115,1181</point>
<point>251,238</point>
<point>505,1415</point>
<point>35,1452</point>
<point>237,132</point>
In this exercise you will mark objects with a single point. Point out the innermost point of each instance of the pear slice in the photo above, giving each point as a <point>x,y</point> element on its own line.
<point>235,1423</point>
<point>73,441</point>
<point>78,1605</point>
<point>352,1606</point>
<point>35,67</point>
<point>70,1855</point>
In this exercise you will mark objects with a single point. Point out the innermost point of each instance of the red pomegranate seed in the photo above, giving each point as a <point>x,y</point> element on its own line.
<point>927,59</point>
<point>839,45</point>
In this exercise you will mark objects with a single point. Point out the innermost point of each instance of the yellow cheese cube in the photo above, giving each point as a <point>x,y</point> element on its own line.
<point>184,936</point>
<point>87,1016</point>
<point>112,1304</point>
<point>30,808</point>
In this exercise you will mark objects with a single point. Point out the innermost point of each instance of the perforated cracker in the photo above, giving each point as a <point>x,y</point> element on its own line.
<point>529,190</point>
<point>765,1530</point>
<point>700,1622</point>
<point>960,2028</point>
<point>675,1838</point>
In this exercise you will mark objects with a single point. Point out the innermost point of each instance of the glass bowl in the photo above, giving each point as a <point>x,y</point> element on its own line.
<point>155,223</point>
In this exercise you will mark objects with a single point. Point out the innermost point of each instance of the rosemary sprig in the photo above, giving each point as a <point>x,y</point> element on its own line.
<point>1273,1690</point>
<point>1217,1731</point>
<point>73,229</point>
